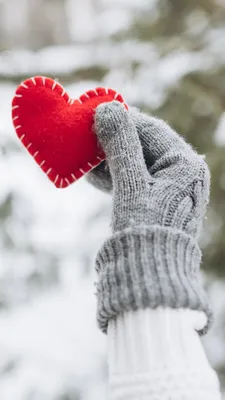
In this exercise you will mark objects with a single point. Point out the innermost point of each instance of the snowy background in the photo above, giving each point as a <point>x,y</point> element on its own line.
<point>166,57</point>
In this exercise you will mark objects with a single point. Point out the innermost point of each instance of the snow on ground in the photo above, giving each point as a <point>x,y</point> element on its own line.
<point>220,132</point>
<point>214,341</point>
<point>53,337</point>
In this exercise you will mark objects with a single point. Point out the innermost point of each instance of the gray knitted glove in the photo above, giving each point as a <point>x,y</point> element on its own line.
<point>153,257</point>
<point>149,131</point>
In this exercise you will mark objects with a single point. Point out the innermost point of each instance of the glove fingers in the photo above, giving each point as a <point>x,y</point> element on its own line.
<point>158,138</point>
<point>163,151</point>
<point>171,157</point>
<point>119,139</point>
<point>176,169</point>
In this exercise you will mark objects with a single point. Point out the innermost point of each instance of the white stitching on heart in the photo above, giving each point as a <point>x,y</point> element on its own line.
<point>58,84</point>
<point>57,177</point>
<point>71,101</point>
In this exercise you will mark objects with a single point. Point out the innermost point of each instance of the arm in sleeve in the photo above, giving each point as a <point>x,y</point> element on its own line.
<point>158,355</point>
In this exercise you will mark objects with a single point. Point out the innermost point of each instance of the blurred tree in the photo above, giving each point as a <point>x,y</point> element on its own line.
<point>41,23</point>
<point>46,24</point>
<point>193,104</point>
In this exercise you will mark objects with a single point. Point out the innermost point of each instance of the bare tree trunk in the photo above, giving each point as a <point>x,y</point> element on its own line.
<point>47,23</point>
<point>12,25</point>
<point>2,31</point>
<point>33,24</point>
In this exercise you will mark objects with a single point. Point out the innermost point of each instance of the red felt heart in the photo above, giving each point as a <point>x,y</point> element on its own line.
<point>58,131</point>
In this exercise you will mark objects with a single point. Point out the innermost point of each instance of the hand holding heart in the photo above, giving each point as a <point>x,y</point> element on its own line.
<point>57,130</point>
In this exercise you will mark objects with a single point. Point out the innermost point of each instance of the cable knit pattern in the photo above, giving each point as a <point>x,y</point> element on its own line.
<point>157,355</point>
<point>152,258</point>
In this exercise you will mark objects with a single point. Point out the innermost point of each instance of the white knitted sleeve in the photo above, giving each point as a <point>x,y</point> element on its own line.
<point>158,355</point>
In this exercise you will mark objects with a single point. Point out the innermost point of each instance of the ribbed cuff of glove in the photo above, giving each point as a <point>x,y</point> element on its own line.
<point>142,267</point>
